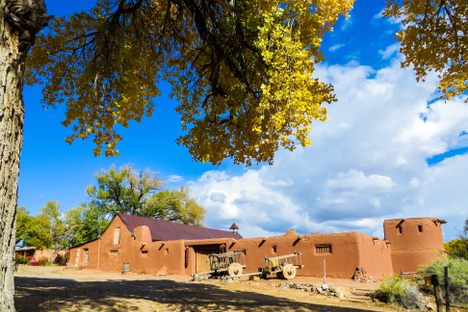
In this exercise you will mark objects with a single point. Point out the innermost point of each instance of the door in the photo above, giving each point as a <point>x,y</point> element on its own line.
<point>201,256</point>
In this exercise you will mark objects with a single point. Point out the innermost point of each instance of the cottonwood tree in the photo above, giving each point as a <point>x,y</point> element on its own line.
<point>34,231</point>
<point>141,194</point>
<point>51,212</point>
<point>46,230</point>
<point>83,224</point>
<point>434,37</point>
<point>20,21</point>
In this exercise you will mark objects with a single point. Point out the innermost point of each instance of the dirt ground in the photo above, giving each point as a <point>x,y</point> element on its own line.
<point>63,289</point>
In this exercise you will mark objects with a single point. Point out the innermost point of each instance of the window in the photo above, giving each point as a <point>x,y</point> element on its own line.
<point>114,252</point>
<point>420,228</point>
<point>144,253</point>
<point>323,249</point>
<point>116,236</point>
<point>274,248</point>
<point>85,256</point>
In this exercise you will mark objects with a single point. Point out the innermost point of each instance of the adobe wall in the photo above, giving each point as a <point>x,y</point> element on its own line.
<point>414,242</point>
<point>375,256</point>
<point>77,256</point>
<point>347,252</point>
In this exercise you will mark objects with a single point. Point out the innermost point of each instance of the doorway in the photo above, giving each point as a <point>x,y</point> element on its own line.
<point>201,256</point>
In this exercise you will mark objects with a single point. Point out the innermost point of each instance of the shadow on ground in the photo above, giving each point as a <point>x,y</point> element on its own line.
<point>49,294</point>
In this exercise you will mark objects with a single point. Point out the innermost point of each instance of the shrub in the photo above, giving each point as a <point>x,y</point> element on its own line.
<point>62,260</point>
<point>412,299</point>
<point>398,290</point>
<point>20,259</point>
<point>457,248</point>
<point>458,277</point>
<point>391,289</point>
<point>44,261</point>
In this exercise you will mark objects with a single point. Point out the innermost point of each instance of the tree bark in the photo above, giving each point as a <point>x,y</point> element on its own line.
<point>11,139</point>
<point>20,21</point>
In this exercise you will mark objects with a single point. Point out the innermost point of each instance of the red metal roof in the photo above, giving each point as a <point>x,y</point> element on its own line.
<point>166,230</point>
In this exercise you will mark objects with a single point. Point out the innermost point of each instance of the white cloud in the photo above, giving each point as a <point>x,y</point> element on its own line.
<point>174,178</point>
<point>390,51</point>
<point>367,162</point>
<point>336,47</point>
<point>357,180</point>
<point>391,20</point>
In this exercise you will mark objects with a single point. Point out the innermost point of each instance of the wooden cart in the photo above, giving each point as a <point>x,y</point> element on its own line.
<point>223,264</point>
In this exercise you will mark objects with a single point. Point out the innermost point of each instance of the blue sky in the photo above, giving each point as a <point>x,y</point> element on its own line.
<point>375,157</point>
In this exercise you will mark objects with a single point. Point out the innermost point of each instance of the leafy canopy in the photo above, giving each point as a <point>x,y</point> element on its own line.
<point>241,70</point>
<point>46,230</point>
<point>84,223</point>
<point>434,38</point>
<point>141,194</point>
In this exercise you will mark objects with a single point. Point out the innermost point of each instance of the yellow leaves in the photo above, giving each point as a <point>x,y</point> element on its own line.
<point>434,38</point>
<point>243,79</point>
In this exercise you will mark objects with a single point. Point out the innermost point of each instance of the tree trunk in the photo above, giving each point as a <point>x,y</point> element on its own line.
<point>11,139</point>
<point>20,21</point>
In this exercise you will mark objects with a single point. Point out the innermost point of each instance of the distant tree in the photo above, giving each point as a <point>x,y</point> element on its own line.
<point>34,231</point>
<point>57,227</point>
<point>465,229</point>
<point>123,190</point>
<point>141,194</point>
<point>175,205</point>
<point>458,248</point>
<point>83,224</point>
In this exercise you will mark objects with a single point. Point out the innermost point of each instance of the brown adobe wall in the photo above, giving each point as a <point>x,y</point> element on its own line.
<point>375,256</point>
<point>159,258</point>
<point>103,253</point>
<point>348,251</point>
<point>77,256</point>
<point>111,255</point>
<point>414,242</point>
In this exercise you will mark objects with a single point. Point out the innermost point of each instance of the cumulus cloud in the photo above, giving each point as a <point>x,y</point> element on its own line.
<point>367,162</point>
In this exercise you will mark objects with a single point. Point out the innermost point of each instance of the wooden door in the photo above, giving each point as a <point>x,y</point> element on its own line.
<point>201,257</point>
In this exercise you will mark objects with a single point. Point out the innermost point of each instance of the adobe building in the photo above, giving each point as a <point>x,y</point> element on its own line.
<point>146,245</point>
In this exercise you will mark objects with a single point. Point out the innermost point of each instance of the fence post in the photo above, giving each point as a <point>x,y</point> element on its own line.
<point>447,291</point>
<point>324,267</point>
<point>437,293</point>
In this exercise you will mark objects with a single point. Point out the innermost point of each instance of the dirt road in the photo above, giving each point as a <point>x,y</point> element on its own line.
<point>58,289</point>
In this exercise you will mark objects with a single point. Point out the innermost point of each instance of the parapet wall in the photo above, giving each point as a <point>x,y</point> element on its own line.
<point>342,252</point>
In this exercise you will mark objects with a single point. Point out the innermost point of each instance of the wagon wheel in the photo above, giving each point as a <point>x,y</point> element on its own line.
<point>289,271</point>
<point>235,269</point>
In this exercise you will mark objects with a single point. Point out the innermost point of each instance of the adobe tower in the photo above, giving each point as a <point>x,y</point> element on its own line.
<point>414,241</point>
